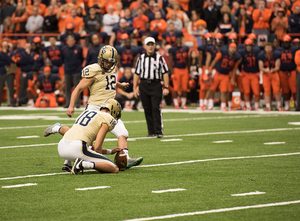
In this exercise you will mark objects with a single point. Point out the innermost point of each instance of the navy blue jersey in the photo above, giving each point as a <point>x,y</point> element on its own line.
<point>226,62</point>
<point>287,56</point>
<point>129,89</point>
<point>179,56</point>
<point>170,38</point>
<point>249,62</point>
<point>27,61</point>
<point>92,55</point>
<point>38,62</point>
<point>48,84</point>
<point>127,56</point>
<point>204,49</point>
<point>118,32</point>
<point>224,27</point>
<point>54,55</point>
<point>63,38</point>
<point>4,60</point>
<point>72,59</point>
<point>213,51</point>
<point>15,55</point>
<point>153,34</point>
<point>268,61</point>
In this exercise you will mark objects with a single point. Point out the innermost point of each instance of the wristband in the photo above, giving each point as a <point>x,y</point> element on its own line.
<point>167,87</point>
<point>108,151</point>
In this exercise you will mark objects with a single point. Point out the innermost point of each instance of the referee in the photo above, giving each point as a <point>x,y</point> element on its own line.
<point>151,68</point>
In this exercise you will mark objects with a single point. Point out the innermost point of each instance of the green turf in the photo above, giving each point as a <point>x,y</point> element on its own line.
<point>208,185</point>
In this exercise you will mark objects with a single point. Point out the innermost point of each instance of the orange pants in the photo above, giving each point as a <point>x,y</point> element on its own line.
<point>288,81</point>
<point>49,99</point>
<point>61,72</point>
<point>251,81</point>
<point>221,81</point>
<point>271,80</point>
<point>239,81</point>
<point>31,87</point>
<point>181,78</point>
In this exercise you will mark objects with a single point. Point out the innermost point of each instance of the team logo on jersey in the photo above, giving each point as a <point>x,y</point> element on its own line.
<point>75,51</point>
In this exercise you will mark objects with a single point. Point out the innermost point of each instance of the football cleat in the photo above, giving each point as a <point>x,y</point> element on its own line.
<point>203,107</point>
<point>132,162</point>
<point>66,168</point>
<point>268,109</point>
<point>232,109</point>
<point>48,131</point>
<point>184,107</point>
<point>160,135</point>
<point>279,108</point>
<point>224,109</point>
<point>77,167</point>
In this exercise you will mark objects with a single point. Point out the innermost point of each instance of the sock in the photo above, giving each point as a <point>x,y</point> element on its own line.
<point>223,105</point>
<point>248,104</point>
<point>256,105</point>
<point>68,162</point>
<point>205,102</point>
<point>30,101</point>
<point>56,128</point>
<point>210,103</point>
<point>126,152</point>
<point>201,102</point>
<point>175,101</point>
<point>183,101</point>
<point>229,104</point>
<point>268,105</point>
<point>278,104</point>
<point>127,103</point>
<point>286,105</point>
<point>88,165</point>
<point>242,104</point>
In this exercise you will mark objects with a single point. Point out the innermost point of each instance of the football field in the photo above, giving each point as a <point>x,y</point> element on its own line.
<point>208,166</point>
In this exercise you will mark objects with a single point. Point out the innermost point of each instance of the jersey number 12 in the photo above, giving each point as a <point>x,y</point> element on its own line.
<point>110,82</point>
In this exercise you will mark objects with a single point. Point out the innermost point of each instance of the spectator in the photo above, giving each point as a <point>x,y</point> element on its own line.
<point>8,26</point>
<point>158,25</point>
<point>19,18</point>
<point>128,17</point>
<point>192,23</point>
<point>225,27</point>
<point>137,4</point>
<point>276,6</point>
<point>148,33</point>
<point>7,10</point>
<point>93,52</point>
<point>119,10</point>
<point>280,24</point>
<point>53,3</point>
<point>50,22</point>
<point>201,31</point>
<point>69,31</point>
<point>127,54</point>
<point>62,14</point>
<point>36,3</point>
<point>196,5</point>
<point>139,21</point>
<point>245,23</point>
<point>118,31</point>
<point>225,7</point>
<point>211,15</point>
<point>79,12</point>
<point>170,35</point>
<point>184,4</point>
<point>151,14</point>
<point>294,21</point>
<point>34,23</point>
<point>248,7</point>
<point>75,4</point>
<point>91,20</point>
<point>103,37</point>
<point>180,14</point>
<point>127,95</point>
<point>77,22</point>
<point>296,43</point>
<point>261,17</point>
<point>110,20</point>
<point>284,5</point>
<point>176,21</point>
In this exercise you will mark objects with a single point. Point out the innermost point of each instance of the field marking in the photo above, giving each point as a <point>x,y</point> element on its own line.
<point>20,185</point>
<point>216,211</point>
<point>272,143</point>
<point>294,123</point>
<point>223,141</point>
<point>169,190</point>
<point>93,188</point>
<point>26,137</point>
<point>248,194</point>
<point>29,145</point>
<point>167,140</point>
<point>163,164</point>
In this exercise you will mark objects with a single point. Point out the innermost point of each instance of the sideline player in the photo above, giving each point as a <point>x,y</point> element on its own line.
<point>92,125</point>
<point>101,79</point>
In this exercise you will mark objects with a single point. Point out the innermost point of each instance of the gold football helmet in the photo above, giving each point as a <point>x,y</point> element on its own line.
<point>108,58</point>
<point>113,106</point>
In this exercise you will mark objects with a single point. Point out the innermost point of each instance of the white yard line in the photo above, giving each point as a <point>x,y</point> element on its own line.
<point>20,185</point>
<point>169,190</point>
<point>223,141</point>
<point>27,137</point>
<point>294,123</point>
<point>248,194</point>
<point>168,140</point>
<point>30,145</point>
<point>274,143</point>
<point>93,188</point>
<point>165,164</point>
<point>216,211</point>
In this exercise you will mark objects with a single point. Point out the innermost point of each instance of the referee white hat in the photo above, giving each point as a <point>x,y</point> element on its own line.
<point>149,39</point>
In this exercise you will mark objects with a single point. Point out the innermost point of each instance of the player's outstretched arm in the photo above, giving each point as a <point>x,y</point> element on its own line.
<point>100,138</point>
<point>83,84</point>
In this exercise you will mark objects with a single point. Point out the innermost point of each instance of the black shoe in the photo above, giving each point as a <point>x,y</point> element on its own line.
<point>134,108</point>
<point>77,106</point>
<point>66,106</point>
<point>160,135</point>
<point>151,135</point>
<point>77,167</point>
<point>66,168</point>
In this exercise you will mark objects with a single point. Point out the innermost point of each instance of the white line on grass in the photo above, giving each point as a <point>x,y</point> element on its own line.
<point>26,137</point>
<point>20,185</point>
<point>273,143</point>
<point>93,188</point>
<point>248,194</point>
<point>167,140</point>
<point>178,135</point>
<point>216,211</point>
<point>165,164</point>
<point>169,190</point>
<point>223,141</point>
<point>294,123</point>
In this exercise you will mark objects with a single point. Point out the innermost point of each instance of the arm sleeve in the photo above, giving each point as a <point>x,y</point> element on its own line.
<point>138,66</point>
<point>164,67</point>
<point>218,56</point>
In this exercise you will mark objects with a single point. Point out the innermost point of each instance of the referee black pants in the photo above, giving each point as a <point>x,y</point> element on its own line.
<point>151,96</point>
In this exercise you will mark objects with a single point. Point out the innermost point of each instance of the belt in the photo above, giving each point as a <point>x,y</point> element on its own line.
<point>150,80</point>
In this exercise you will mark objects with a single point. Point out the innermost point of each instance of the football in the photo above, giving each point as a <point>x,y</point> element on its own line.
<point>121,160</point>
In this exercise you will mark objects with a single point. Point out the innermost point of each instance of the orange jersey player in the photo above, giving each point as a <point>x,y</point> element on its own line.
<point>224,62</point>
<point>180,67</point>
<point>269,64</point>
<point>250,73</point>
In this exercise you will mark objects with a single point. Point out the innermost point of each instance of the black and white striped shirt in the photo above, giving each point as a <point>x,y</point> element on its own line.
<point>151,67</point>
